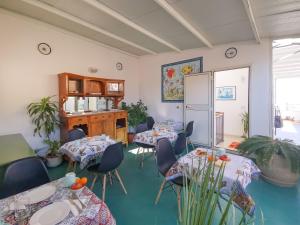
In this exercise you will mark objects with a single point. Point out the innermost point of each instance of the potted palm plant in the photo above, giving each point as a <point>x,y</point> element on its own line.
<point>137,114</point>
<point>44,117</point>
<point>279,160</point>
<point>202,202</point>
<point>245,123</point>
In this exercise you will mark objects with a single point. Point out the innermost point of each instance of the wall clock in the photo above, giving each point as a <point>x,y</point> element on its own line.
<point>231,52</point>
<point>119,66</point>
<point>44,48</point>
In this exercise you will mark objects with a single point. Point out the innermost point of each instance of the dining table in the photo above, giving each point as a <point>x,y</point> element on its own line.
<point>53,203</point>
<point>86,149</point>
<point>160,130</point>
<point>238,174</point>
<point>169,124</point>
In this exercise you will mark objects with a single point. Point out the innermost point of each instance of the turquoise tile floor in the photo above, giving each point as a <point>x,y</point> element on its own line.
<point>280,206</point>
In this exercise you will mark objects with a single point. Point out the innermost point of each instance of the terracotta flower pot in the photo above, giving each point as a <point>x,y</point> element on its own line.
<point>278,172</point>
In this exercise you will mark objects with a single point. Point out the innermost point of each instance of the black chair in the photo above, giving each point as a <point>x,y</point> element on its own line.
<point>75,134</point>
<point>22,175</point>
<point>165,160</point>
<point>150,122</point>
<point>141,146</point>
<point>110,161</point>
<point>180,144</point>
<point>188,133</point>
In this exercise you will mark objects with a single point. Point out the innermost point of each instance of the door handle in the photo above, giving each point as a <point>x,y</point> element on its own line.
<point>188,107</point>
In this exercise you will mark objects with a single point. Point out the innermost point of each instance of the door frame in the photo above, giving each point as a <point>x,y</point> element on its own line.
<point>249,93</point>
<point>211,110</point>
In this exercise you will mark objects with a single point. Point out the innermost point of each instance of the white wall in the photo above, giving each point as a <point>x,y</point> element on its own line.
<point>259,57</point>
<point>233,109</point>
<point>26,75</point>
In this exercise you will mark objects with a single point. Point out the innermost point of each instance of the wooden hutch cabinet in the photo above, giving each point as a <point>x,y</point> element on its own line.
<point>112,122</point>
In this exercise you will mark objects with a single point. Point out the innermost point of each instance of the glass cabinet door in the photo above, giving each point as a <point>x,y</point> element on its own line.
<point>115,88</point>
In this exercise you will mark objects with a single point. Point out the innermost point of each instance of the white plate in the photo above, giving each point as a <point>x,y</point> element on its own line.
<point>38,194</point>
<point>51,214</point>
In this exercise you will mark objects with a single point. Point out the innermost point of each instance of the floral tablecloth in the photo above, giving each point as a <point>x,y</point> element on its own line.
<point>150,137</point>
<point>86,149</point>
<point>169,125</point>
<point>238,173</point>
<point>94,212</point>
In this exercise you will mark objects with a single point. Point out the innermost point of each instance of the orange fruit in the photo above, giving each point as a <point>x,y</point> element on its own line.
<point>78,180</point>
<point>83,180</point>
<point>76,186</point>
<point>210,158</point>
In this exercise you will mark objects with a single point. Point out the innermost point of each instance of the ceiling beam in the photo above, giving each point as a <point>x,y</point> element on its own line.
<point>184,22</point>
<point>249,11</point>
<point>84,23</point>
<point>130,23</point>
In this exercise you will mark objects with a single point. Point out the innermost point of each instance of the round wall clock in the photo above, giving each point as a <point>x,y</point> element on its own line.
<point>119,66</point>
<point>231,52</point>
<point>44,48</point>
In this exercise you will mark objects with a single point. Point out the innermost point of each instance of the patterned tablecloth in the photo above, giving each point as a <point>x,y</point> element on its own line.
<point>151,137</point>
<point>95,211</point>
<point>169,125</point>
<point>86,149</point>
<point>238,173</point>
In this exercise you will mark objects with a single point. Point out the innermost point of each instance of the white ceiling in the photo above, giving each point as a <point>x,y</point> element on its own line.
<point>218,21</point>
<point>286,58</point>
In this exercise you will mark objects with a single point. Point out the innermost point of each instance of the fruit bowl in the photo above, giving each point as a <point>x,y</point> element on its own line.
<point>79,184</point>
<point>224,158</point>
<point>201,152</point>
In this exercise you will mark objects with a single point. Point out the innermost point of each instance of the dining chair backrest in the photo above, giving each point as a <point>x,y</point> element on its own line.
<point>165,156</point>
<point>180,144</point>
<point>112,158</point>
<point>189,129</point>
<point>150,122</point>
<point>75,134</point>
<point>24,174</point>
<point>141,128</point>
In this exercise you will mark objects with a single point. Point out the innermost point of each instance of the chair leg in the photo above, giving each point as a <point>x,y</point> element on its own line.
<point>74,166</point>
<point>94,181</point>
<point>142,161</point>
<point>69,165</point>
<point>121,182</point>
<point>187,146</point>
<point>160,191</point>
<point>179,202</point>
<point>137,153</point>
<point>191,143</point>
<point>103,187</point>
<point>110,178</point>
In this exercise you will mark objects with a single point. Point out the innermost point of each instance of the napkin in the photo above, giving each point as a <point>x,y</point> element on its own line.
<point>16,205</point>
<point>74,205</point>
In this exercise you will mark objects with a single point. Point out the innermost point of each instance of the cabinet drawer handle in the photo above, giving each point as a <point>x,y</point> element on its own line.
<point>79,119</point>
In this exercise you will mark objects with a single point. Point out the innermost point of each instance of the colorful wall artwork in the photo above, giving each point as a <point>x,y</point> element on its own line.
<point>172,78</point>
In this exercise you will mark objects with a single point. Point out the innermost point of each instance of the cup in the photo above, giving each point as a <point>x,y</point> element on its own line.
<point>221,151</point>
<point>69,179</point>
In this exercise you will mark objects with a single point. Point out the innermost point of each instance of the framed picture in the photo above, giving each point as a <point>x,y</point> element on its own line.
<point>226,93</point>
<point>172,78</point>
